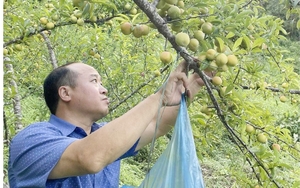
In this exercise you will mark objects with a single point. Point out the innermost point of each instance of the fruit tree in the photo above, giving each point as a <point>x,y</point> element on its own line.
<point>253,97</point>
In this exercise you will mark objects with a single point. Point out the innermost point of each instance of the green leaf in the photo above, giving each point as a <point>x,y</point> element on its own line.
<point>201,121</point>
<point>288,14</point>
<point>216,22</point>
<point>86,8</point>
<point>247,43</point>
<point>258,42</point>
<point>124,16</point>
<point>256,50</point>
<point>263,174</point>
<point>286,165</point>
<point>289,59</point>
<point>281,37</point>
<point>205,45</point>
<point>230,35</point>
<point>91,11</point>
<point>237,43</point>
<point>298,24</point>
<point>267,154</point>
<point>244,14</point>
<point>283,31</point>
<point>229,88</point>
<point>234,10</point>
<point>135,17</point>
<point>193,10</point>
<point>12,130</point>
<point>106,3</point>
<point>220,44</point>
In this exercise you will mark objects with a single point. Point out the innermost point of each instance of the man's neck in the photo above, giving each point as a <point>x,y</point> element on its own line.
<point>77,120</point>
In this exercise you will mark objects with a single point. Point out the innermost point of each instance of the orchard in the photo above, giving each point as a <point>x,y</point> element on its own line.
<point>248,112</point>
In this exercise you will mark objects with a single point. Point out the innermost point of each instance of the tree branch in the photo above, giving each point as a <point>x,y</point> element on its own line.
<point>50,50</point>
<point>291,91</point>
<point>16,100</point>
<point>277,63</point>
<point>36,31</point>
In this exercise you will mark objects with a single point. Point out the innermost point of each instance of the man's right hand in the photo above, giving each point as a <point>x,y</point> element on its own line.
<point>174,87</point>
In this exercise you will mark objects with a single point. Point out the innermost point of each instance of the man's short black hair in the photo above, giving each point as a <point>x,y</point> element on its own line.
<point>60,76</point>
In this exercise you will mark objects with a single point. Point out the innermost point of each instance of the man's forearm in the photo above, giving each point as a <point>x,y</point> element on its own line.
<point>166,118</point>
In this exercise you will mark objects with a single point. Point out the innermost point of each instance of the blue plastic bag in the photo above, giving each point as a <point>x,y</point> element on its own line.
<point>178,165</point>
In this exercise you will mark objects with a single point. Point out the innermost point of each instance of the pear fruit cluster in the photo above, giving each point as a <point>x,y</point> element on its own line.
<point>140,30</point>
<point>137,31</point>
<point>261,137</point>
<point>131,9</point>
<point>170,8</point>
<point>220,61</point>
<point>217,62</point>
<point>46,23</point>
<point>76,18</point>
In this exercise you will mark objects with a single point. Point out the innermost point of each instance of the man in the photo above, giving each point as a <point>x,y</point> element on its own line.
<point>71,150</point>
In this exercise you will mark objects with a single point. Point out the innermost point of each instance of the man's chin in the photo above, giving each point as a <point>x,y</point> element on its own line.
<point>102,115</point>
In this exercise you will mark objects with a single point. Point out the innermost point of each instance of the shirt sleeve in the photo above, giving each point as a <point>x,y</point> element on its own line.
<point>34,153</point>
<point>131,152</point>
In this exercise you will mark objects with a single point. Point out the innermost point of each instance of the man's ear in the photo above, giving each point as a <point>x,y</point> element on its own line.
<point>64,93</point>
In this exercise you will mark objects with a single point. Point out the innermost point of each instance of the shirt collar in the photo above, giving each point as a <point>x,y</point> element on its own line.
<point>65,127</point>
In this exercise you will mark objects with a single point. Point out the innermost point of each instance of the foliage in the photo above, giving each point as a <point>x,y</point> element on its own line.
<point>292,54</point>
<point>131,70</point>
<point>289,12</point>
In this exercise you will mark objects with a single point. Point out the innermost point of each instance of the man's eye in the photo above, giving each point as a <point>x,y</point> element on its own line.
<point>95,80</point>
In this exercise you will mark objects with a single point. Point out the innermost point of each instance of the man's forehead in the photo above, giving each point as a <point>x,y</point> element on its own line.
<point>83,68</point>
<point>95,76</point>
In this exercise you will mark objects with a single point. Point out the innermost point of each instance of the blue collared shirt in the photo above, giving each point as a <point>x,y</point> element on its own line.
<point>35,151</point>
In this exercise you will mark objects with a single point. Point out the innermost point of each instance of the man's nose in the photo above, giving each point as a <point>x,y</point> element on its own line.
<point>102,90</point>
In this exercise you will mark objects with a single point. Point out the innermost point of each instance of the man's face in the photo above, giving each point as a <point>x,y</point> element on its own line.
<point>89,96</point>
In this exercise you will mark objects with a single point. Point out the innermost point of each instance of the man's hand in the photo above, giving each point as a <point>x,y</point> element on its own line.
<point>178,83</point>
<point>194,83</point>
<point>173,88</point>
